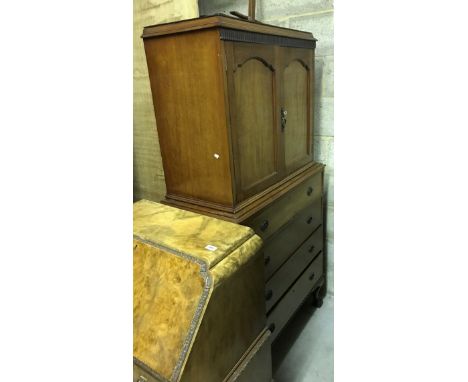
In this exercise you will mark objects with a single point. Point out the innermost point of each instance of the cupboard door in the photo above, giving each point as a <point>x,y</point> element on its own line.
<point>254,119</point>
<point>296,106</point>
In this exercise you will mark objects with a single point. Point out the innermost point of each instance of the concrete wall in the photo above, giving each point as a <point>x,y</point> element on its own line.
<point>148,175</point>
<point>314,16</point>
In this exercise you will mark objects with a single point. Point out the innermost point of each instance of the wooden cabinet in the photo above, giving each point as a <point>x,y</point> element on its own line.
<point>233,105</point>
<point>234,111</point>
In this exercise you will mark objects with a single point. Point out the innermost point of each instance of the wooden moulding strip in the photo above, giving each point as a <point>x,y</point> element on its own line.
<point>222,21</point>
<point>227,34</point>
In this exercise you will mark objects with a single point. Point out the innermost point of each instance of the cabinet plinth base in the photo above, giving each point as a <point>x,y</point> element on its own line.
<point>249,207</point>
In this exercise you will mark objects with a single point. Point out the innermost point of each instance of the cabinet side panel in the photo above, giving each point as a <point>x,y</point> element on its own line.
<point>188,93</point>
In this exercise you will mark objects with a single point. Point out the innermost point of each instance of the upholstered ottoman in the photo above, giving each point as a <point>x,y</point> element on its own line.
<point>199,306</point>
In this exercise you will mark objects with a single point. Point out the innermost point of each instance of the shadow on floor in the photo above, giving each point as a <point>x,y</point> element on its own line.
<point>304,351</point>
<point>285,341</point>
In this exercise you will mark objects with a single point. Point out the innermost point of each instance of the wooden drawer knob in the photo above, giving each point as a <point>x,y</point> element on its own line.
<point>269,294</point>
<point>309,191</point>
<point>309,220</point>
<point>312,276</point>
<point>311,249</point>
<point>264,226</point>
<point>267,260</point>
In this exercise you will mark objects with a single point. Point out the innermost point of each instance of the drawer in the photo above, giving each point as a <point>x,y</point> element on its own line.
<point>292,268</point>
<point>280,246</point>
<point>273,217</point>
<point>283,311</point>
<point>141,375</point>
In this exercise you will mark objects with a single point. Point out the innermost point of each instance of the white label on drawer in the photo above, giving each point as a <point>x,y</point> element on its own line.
<point>210,247</point>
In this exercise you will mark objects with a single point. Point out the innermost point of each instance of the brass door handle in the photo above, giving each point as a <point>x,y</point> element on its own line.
<point>284,113</point>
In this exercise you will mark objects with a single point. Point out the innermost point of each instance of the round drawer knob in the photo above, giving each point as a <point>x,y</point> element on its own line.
<point>267,260</point>
<point>264,226</point>
<point>309,220</point>
<point>311,249</point>
<point>309,191</point>
<point>272,327</point>
<point>312,276</point>
<point>269,294</point>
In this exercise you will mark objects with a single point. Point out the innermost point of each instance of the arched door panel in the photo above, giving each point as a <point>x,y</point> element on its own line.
<point>296,109</point>
<point>254,118</point>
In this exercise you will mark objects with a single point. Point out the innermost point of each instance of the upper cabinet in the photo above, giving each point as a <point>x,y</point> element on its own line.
<point>233,104</point>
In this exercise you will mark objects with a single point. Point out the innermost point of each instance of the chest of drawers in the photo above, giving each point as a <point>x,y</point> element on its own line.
<point>292,231</point>
<point>234,110</point>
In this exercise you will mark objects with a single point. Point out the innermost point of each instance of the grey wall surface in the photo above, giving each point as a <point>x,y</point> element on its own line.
<point>314,16</point>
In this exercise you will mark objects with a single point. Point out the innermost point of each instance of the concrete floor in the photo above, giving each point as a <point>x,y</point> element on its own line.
<point>304,350</point>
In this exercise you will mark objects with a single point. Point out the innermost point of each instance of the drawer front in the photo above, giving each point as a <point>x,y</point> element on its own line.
<point>286,307</point>
<point>273,217</point>
<point>292,268</point>
<point>279,247</point>
<point>140,375</point>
